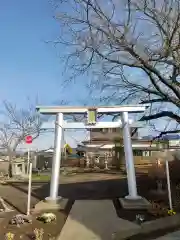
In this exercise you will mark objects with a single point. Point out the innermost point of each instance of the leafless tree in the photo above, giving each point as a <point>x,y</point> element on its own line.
<point>15,125</point>
<point>129,48</point>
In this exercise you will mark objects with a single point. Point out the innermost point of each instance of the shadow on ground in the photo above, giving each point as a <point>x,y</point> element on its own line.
<point>94,190</point>
<point>90,190</point>
<point>102,189</point>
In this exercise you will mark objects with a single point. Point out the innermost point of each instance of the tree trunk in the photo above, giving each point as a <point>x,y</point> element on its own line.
<point>10,168</point>
<point>11,154</point>
<point>10,172</point>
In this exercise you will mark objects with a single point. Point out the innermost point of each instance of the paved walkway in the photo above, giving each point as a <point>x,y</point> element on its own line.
<point>170,236</point>
<point>95,220</point>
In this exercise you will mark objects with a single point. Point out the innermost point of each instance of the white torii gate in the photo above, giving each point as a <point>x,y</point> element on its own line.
<point>60,124</point>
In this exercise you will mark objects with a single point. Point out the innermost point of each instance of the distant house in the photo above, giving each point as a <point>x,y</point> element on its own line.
<point>46,155</point>
<point>105,140</point>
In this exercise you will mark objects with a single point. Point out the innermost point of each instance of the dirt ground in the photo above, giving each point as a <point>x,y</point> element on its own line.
<point>80,186</point>
<point>26,231</point>
<point>72,187</point>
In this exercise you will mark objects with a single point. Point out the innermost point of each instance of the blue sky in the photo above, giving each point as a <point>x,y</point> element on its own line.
<point>30,67</point>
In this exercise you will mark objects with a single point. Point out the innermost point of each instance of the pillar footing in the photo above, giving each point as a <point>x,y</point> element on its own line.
<point>129,197</point>
<point>53,201</point>
<point>134,203</point>
<point>51,204</point>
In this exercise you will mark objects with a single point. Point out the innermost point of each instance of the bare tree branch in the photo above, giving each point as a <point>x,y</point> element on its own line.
<point>129,48</point>
<point>17,124</point>
<point>160,115</point>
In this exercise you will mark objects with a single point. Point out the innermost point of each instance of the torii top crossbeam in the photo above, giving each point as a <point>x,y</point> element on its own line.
<point>99,109</point>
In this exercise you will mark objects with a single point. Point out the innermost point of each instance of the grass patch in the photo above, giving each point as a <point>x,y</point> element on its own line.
<point>43,177</point>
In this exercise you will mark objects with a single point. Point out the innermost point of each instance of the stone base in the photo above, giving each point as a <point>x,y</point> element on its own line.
<point>129,197</point>
<point>140,203</point>
<point>50,204</point>
<point>51,201</point>
<point>96,220</point>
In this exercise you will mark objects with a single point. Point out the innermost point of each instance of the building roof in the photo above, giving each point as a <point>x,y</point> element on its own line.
<point>165,137</point>
<point>108,141</point>
<point>102,147</point>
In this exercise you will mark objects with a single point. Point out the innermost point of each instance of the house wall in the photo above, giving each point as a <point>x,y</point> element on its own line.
<point>4,166</point>
<point>140,160</point>
<point>108,133</point>
<point>64,161</point>
<point>173,143</point>
<point>41,160</point>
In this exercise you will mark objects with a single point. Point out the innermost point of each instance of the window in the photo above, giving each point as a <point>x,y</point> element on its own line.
<point>110,130</point>
<point>94,130</point>
<point>146,153</point>
<point>137,153</point>
<point>114,130</point>
<point>104,130</point>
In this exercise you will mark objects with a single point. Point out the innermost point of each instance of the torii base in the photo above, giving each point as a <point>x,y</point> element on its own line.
<point>50,204</point>
<point>140,203</point>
